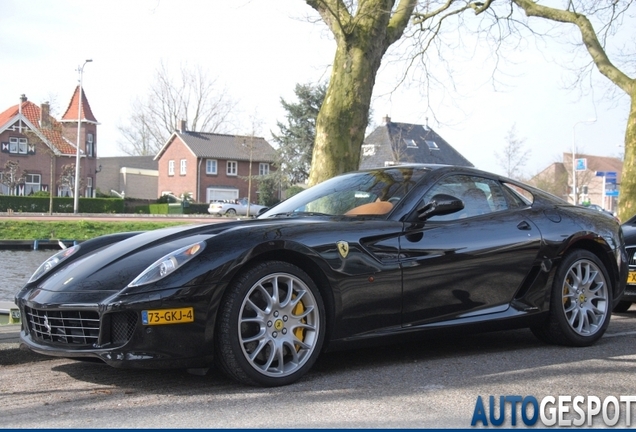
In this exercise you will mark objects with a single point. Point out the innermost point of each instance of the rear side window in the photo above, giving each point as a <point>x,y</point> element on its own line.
<point>518,196</point>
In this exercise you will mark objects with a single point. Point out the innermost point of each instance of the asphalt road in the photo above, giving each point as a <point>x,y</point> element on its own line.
<point>431,384</point>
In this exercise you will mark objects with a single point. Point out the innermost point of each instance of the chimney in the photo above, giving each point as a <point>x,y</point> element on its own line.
<point>386,119</point>
<point>44,115</point>
<point>23,98</point>
<point>182,126</point>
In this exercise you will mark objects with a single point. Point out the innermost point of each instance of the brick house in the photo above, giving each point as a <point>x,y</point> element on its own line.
<point>592,188</point>
<point>42,147</point>
<point>393,143</point>
<point>211,166</point>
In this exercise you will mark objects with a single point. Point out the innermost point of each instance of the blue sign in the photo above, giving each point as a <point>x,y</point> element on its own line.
<point>610,180</point>
<point>611,193</point>
<point>581,164</point>
<point>606,173</point>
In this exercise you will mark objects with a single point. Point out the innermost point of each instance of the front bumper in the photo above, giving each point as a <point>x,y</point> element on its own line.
<point>113,331</point>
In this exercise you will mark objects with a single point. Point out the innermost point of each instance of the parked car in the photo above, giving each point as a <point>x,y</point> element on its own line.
<point>234,208</point>
<point>375,256</point>
<point>629,297</point>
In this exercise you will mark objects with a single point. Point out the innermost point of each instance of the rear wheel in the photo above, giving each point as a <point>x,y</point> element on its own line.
<point>230,212</point>
<point>580,305</point>
<point>271,325</point>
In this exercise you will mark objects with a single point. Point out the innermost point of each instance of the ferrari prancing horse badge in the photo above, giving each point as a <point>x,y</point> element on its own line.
<point>343,248</point>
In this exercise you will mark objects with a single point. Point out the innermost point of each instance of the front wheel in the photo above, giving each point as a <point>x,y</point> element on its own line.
<point>271,325</point>
<point>580,303</point>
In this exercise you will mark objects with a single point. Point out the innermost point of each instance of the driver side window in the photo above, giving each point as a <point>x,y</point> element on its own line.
<point>479,195</point>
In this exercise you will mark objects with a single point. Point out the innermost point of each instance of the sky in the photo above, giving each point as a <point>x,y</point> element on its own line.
<point>260,49</point>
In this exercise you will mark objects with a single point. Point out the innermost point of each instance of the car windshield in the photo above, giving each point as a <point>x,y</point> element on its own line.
<point>372,192</point>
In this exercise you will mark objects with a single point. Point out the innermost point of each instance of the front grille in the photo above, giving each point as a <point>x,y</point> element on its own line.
<point>69,327</point>
<point>631,256</point>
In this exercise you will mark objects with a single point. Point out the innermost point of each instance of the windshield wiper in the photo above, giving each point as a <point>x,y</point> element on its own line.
<point>296,213</point>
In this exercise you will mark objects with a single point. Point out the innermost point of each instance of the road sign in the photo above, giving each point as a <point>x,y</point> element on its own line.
<point>606,174</point>
<point>581,164</point>
<point>611,193</point>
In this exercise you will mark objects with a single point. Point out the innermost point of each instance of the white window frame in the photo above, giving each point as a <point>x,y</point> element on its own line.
<point>90,144</point>
<point>263,168</point>
<point>170,167</point>
<point>34,185</point>
<point>211,166</point>
<point>89,187</point>
<point>18,145</point>
<point>183,164</point>
<point>231,168</point>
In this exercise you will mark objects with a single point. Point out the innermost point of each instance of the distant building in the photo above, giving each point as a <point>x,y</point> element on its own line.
<point>395,143</point>
<point>211,166</point>
<point>129,176</point>
<point>44,149</point>
<point>592,188</point>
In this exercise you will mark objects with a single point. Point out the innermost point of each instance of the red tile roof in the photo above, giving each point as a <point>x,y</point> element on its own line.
<point>72,110</point>
<point>32,113</point>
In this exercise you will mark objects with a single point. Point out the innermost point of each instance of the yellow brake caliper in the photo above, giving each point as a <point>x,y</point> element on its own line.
<point>299,332</point>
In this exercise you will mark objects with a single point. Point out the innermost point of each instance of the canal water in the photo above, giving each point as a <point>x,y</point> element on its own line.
<point>17,268</point>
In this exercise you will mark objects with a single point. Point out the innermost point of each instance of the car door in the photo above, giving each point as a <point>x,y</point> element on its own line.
<point>469,262</point>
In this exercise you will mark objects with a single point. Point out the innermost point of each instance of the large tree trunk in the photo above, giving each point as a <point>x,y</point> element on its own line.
<point>341,122</point>
<point>627,201</point>
<point>361,42</point>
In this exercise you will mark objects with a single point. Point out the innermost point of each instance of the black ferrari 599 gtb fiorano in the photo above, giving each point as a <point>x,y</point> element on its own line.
<point>366,257</point>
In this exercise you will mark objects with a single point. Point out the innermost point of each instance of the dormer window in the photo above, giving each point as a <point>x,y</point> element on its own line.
<point>432,145</point>
<point>410,143</point>
<point>368,149</point>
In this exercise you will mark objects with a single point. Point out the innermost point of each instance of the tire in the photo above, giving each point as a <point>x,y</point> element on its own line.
<point>622,306</point>
<point>230,212</point>
<point>580,302</point>
<point>271,325</point>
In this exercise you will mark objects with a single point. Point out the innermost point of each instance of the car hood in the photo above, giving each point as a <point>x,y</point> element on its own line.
<point>113,266</point>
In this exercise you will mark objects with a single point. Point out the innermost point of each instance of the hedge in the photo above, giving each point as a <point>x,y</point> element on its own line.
<point>20,204</point>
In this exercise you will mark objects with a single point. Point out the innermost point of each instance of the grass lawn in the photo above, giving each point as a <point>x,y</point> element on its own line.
<point>72,230</point>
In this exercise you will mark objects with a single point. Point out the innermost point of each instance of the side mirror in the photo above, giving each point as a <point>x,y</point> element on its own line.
<point>440,204</point>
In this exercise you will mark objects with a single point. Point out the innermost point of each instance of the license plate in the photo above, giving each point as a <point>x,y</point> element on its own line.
<point>631,277</point>
<point>167,316</point>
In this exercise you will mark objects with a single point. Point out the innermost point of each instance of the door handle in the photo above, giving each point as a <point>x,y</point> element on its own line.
<point>524,226</point>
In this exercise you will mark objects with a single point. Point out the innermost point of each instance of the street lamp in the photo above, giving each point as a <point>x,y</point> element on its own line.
<point>79,128</point>
<point>574,194</point>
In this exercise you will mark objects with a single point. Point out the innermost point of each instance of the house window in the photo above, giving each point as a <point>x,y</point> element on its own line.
<point>263,169</point>
<point>170,167</point>
<point>89,187</point>
<point>32,183</point>
<point>18,145</point>
<point>410,143</point>
<point>232,168</point>
<point>368,149</point>
<point>182,167</point>
<point>210,166</point>
<point>90,144</point>
<point>432,145</point>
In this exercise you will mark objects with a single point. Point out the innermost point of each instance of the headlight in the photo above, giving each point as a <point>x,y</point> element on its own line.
<point>168,264</point>
<point>52,262</point>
